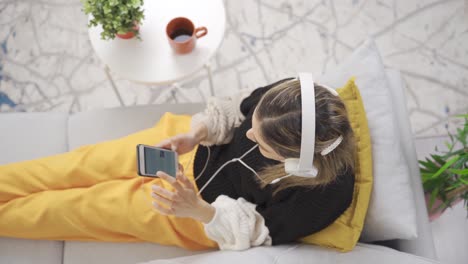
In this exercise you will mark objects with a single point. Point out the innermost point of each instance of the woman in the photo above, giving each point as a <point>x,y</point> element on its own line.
<point>243,206</point>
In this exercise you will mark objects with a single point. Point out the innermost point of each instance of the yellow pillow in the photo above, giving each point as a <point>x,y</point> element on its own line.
<point>344,233</point>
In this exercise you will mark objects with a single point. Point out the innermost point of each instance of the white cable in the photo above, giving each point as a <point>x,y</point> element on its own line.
<point>280,178</point>
<point>332,146</point>
<point>248,167</point>
<point>212,177</point>
<point>206,163</point>
<point>224,165</point>
<point>250,150</point>
<point>333,91</point>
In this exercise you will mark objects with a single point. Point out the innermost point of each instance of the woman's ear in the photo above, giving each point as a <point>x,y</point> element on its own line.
<point>280,158</point>
<point>249,135</point>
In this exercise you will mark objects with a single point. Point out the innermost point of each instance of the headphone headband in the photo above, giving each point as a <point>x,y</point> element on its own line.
<point>306,160</point>
<point>304,166</point>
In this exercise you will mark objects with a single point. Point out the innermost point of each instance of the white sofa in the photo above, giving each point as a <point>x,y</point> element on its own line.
<point>33,135</point>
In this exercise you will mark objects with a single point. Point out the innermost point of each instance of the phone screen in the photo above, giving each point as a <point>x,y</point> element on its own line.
<point>159,160</point>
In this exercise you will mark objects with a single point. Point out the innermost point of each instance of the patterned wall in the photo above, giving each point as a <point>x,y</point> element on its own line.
<point>48,64</point>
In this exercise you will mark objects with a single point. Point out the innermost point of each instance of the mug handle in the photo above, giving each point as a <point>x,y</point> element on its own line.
<point>200,32</point>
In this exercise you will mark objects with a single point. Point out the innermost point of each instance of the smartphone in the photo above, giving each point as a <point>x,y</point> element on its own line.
<point>152,159</point>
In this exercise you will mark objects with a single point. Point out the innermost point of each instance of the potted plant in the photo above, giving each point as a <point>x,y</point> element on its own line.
<point>445,175</point>
<point>117,17</point>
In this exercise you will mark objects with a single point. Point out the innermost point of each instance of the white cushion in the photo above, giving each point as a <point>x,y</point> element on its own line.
<point>391,213</point>
<point>288,254</point>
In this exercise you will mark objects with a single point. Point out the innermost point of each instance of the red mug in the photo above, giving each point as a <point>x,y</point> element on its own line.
<point>183,35</point>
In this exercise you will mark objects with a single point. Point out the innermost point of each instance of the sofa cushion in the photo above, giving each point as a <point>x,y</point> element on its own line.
<point>344,232</point>
<point>28,136</point>
<point>119,253</point>
<point>106,124</point>
<point>392,184</point>
<point>20,251</point>
<point>32,135</point>
<point>301,253</point>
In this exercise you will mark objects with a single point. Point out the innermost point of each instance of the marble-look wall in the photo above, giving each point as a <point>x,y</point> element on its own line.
<point>48,64</point>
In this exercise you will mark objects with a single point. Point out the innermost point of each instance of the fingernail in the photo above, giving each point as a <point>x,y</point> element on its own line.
<point>155,187</point>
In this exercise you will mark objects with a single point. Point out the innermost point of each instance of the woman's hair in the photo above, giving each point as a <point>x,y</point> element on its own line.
<point>279,113</point>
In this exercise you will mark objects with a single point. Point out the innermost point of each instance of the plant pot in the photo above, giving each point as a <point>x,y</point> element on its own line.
<point>130,34</point>
<point>436,213</point>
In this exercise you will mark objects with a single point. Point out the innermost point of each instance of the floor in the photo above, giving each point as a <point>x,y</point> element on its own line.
<point>47,63</point>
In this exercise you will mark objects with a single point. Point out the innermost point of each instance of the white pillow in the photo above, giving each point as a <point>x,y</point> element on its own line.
<point>391,213</point>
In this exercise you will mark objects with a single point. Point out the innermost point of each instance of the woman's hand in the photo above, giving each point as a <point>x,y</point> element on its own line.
<point>184,202</point>
<point>185,142</point>
<point>181,143</point>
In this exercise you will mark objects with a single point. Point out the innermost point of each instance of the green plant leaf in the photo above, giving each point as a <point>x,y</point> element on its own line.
<point>459,172</point>
<point>429,164</point>
<point>438,159</point>
<point>448,145</point>
<point>463,181</point>
<point>446,166</point>
<point>114,15</point>
<point>425,176</point>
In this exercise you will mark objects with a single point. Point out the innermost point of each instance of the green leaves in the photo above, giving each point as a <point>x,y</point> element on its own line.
<point>445,166</point>
<point>445,177</point>
<point>115,16</point>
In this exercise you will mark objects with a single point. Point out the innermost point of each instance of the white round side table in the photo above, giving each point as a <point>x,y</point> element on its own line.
<point>151,59</point>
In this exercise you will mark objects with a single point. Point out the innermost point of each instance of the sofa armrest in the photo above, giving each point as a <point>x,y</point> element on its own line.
<point>423,245</point>
<point>28,136</point>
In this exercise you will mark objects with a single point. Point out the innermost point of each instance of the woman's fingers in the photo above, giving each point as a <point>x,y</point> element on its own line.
<point>162,199</point>
<point>164,144</point>
<point>170,180</point>
<point>185,181</point>
<point>181,168</point>
<point>174,144</point>
<point>163,210</point>
<point>170,143</point>
<point>163,192</point>
<point>165,176</point>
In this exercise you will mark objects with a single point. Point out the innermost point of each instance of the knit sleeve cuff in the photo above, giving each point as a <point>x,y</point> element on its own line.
<point>221,116</point>
<point>236,225</point>
<point>203,118</point>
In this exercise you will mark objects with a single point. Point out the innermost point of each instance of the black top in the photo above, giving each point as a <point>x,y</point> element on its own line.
<point>293,212</point>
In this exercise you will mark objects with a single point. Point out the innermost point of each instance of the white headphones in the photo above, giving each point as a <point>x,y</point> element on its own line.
<point>304,166</point>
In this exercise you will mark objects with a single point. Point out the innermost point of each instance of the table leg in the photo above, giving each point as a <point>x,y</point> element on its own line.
<point>174,97</point>
<point>210,78</point>
<point>114,87</point>
<point>178,87</point>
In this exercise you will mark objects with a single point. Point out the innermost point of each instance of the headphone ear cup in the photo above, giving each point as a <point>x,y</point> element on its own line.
<point>291,166</point>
